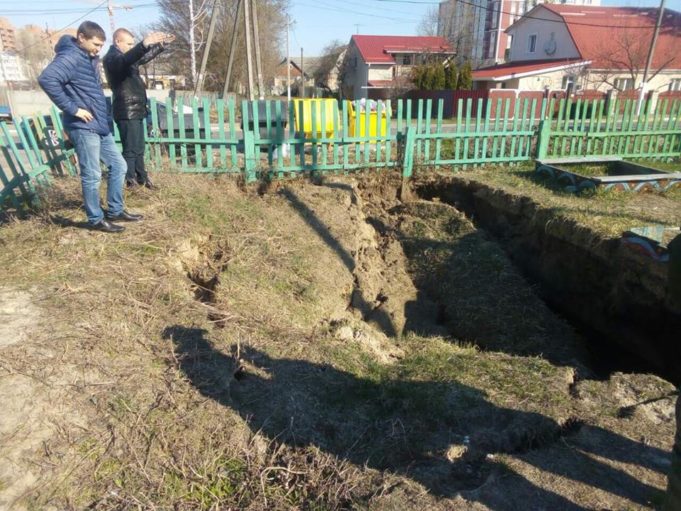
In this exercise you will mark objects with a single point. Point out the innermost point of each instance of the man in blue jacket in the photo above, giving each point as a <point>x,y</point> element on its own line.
<point>73,83</point>
<point>121,64</point>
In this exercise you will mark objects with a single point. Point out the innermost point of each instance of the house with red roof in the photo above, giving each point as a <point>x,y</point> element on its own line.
<point>554,46</point>
<point>378,66</point>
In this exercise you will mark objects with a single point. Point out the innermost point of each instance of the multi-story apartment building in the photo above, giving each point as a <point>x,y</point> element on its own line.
<point>476,28</point>
<point>8,36</point>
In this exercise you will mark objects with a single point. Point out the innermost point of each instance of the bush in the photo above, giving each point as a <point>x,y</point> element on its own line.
<point>465,77</point>
<point>451,76</point>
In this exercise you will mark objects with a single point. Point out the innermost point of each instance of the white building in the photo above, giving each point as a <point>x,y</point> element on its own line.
<point>11,68</point>
<point>589,47</point>
<point>476,28</point>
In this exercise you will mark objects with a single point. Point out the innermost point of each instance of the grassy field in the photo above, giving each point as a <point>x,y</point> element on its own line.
<point>610,213</point>
<point>312,346</point>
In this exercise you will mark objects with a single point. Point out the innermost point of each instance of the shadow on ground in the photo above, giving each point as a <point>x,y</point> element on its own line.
<point>406,426</point>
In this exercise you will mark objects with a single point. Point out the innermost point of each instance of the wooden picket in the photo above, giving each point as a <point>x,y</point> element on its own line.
<point>596,129</point>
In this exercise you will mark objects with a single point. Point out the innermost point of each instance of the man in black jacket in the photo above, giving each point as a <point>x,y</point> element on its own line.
<point>121,64</point>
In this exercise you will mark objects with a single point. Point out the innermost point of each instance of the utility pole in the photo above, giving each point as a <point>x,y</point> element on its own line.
<point>302,76</point>
<point>110,8</point>
<point>4,77</point>
<point>192,41</point>
<point>649,60</point>
<point>249,57</point>
<point>288,61</point>
<point>256,42</point>
<point>198,86</point>
<point>232,49</point>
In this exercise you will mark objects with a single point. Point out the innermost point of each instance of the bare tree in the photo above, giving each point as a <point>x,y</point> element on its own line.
<point>456,23</point>
<point>429,23</point>
<point>327,72</point>
<point>176,19</point>
<point>34,47</point>
<point>624,56</point>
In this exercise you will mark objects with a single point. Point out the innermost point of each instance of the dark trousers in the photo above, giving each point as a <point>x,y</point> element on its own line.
<point>132,138</point>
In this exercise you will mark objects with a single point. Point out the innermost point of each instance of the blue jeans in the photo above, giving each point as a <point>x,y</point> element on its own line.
<point>92,148</point>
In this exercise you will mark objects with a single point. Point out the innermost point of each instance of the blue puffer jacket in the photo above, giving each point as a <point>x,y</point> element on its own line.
<point>72,81</point>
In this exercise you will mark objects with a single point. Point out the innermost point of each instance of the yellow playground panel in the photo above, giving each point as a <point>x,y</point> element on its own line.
<point>373,122</point>
<point>325,109</point>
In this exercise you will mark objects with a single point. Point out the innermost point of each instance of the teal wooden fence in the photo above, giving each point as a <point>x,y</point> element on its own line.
<point>597,128</point>
<point>279,140</point>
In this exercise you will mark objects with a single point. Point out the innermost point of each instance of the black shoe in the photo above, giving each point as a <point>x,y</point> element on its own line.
<point>125,217</point>
<point>131,184</point>
<point>148,184</point>
<point>106,226</point>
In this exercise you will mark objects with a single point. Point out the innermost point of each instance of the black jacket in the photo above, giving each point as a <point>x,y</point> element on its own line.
<point>122,73</point>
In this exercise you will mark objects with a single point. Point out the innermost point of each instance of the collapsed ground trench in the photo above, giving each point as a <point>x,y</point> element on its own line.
<point>613,339</point>
<point>615,300</point>
<point>386,221</point>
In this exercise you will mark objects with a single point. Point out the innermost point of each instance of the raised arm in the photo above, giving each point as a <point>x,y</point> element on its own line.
<point>152,53</point>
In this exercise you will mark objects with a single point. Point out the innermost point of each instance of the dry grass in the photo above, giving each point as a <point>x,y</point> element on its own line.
<point>214,357</point>
<point>609,213</point>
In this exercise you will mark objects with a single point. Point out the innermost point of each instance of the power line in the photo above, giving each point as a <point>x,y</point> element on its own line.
<point>33,12</point>
<point>347,2</point>
<point>373,15</point>
<point>65,27</point>
<point>488,8</point>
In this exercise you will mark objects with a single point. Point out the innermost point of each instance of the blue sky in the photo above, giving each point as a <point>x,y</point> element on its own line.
<point>316,22</point>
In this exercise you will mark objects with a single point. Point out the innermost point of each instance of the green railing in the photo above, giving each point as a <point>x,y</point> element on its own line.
<point>596,128</point>
<point>278,140</point>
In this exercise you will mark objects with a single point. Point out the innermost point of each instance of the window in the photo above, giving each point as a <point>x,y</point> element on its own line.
<point>492,46</point>
<point>624,83</point>
<point>494,11</point>
<point>406,60</point>
<point>568,81</point>
<point>532,43</point>
<point>675,84</point>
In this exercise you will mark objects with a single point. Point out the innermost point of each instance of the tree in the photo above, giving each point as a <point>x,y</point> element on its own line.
<point>456,23</point>
<point>327,72</point>
<point>176,19</point>
<point>34,47</point>
<point>465,81</point>
<point>418,76</point>
<point>451,76</point>
<point>439,78</point>
<point>428,26</point>
<point>428,77</point>
<point>625,53</point>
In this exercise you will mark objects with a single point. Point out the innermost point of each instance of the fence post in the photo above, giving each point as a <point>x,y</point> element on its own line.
<point>543,135</point>
<point>249,155</point>
<point>408,153</point>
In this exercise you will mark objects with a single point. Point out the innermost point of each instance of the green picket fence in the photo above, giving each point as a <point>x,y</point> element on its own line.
<point>32,150</point>
<point>597,128</point>
<point>278,139</point>
<point>474,139</point>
